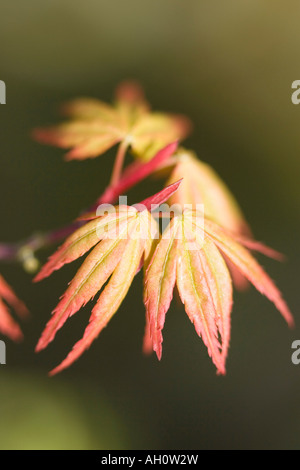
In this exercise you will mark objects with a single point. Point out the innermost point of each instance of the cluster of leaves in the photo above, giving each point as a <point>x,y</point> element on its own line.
<point>201,251</point>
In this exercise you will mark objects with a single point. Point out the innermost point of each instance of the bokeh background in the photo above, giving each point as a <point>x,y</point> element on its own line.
<point>229,66</point>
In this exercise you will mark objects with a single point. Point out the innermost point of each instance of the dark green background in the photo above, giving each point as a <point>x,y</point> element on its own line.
<point>229,66</point>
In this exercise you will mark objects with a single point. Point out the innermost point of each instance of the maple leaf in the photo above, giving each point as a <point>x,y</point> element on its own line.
<point>202,185</point>
<point>96,126</point>
<point>122,241</point>
<point>8,325</point>
<point>191,254</point>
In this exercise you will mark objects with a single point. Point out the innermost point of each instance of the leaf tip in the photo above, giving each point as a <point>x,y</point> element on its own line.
<point>159,353</point>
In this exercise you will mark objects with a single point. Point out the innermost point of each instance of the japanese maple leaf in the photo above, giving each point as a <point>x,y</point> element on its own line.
<point>122,240</point>
<point>95,126</point>
<point>191,254</point>
<point>8,325</point>
<point>202,185</point>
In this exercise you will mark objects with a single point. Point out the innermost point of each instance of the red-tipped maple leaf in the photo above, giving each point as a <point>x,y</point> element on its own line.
<point>8,326</point>
<point>190,254</point>
<point>95,126</point>
<point>122,241</point>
